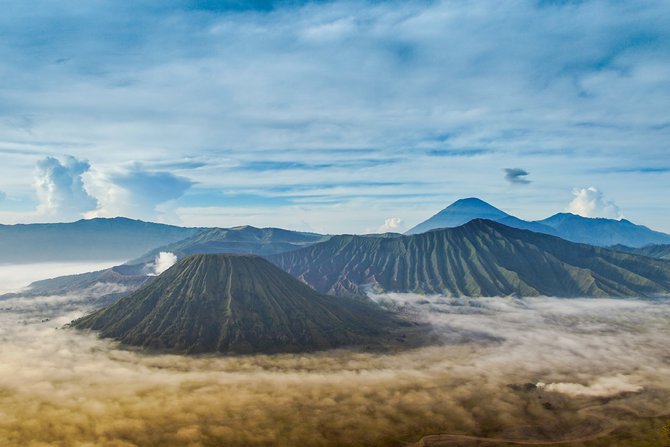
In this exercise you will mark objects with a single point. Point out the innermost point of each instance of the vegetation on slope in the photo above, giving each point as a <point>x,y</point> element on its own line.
<point>481,258</point>
<point>236,304</point>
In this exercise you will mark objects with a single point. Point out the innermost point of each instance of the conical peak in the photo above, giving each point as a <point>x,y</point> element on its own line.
<point>472,202</point>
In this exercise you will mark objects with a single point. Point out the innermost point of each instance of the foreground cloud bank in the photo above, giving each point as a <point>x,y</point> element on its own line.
<point>63,387</point>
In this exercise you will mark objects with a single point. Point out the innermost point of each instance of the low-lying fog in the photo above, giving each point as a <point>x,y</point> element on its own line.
<point>14,277</point>
<point>591,370</point>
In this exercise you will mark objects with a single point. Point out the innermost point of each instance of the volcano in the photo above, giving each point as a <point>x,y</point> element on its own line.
<point>239,304</point>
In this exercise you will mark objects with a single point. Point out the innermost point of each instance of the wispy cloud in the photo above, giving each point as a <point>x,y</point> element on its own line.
<point>458,152</point>
<point>448,91</point>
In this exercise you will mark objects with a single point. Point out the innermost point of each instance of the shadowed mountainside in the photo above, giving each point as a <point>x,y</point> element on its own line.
<point>236,304</point>
<point>661,251</point>
<point>122,277</point>
<point>481,258</point>
<point>245,239</point>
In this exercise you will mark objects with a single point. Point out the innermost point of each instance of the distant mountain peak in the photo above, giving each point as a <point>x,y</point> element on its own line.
<point>458,213</point>
<point>471,201</point>
<point>599,231</point>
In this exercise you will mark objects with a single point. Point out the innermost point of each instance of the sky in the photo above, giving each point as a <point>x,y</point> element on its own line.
<point>333,116</point>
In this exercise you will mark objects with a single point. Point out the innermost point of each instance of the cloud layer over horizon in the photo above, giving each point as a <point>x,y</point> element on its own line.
<point>332,116</point>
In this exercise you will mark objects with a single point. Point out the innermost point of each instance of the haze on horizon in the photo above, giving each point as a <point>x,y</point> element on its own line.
<point>333,116</point>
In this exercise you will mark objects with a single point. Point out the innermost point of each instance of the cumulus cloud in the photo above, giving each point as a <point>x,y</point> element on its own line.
<point>60,188</point>
<point>392,225</point>
<point>590,202</point>
<point>163,261</point>
<point>137,192</point>
<point>516,176</point>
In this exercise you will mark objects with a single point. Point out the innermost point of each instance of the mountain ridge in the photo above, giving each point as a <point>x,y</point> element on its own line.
<point>240,239</point>
<point>595,231</point>
<point>480,258</point>
<point>85,240</point>
<point>602,231</point>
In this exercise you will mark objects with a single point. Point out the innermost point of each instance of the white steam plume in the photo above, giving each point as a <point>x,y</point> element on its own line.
<point>163,261</point>
<point>590,202</point>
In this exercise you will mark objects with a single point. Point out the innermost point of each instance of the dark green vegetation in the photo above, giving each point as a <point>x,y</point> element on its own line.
<point>236,304</point>
<point>481,258</point>
<point>594,231</point>
<point>246,239</point>
<point>653,251</point>
<point>85,240</point>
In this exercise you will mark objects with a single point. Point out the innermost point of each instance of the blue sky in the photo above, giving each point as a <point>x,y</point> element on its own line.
<point>333,116</point>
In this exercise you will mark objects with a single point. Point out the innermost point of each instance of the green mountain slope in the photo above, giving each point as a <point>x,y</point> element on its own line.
<point>236,304</point>
<point>480,258</point>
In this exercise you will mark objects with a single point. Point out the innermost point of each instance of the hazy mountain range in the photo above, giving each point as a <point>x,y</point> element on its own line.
<point>244,239</point>
<point>488,258</point>
<point>240,240</point>
<point>594,231</point>
<point>120,238</point>
<point>236,304</point>
<point>85,240</point>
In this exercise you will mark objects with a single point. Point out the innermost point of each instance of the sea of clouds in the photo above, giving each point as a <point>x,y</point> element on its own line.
<point>504,368</point>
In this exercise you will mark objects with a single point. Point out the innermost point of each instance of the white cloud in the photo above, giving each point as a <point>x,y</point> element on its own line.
<point>163,261</point>
<point>601,387</point>
<point>136,192</point>
<point>590,202</point>
<point>60,188</point>
<point>392,224</point>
